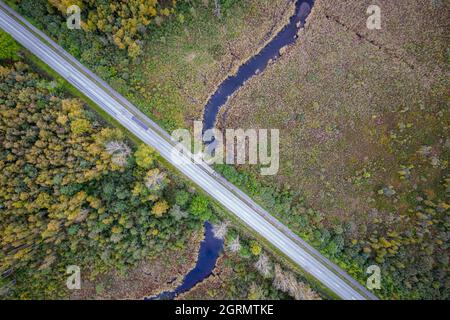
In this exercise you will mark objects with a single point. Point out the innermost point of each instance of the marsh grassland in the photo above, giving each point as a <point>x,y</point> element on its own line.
<point>364,123</point>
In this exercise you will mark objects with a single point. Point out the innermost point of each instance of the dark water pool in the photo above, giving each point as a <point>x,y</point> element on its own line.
<point>210,249</point>
<point>257,63</point>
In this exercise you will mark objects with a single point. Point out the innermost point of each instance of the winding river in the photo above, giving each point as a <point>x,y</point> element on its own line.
<point>210,247</point>
<point>257,63</point>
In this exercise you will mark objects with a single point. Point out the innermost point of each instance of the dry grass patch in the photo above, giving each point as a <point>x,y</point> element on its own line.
<point>355,108</point>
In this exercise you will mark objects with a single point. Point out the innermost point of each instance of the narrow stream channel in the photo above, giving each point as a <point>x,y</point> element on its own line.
<point>210,249</point>
<point>257,63</point>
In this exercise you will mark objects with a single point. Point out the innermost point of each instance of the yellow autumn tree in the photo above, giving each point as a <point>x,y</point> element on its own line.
<point>123,21</point>
<point>145,156</point>
<point>160,208</point>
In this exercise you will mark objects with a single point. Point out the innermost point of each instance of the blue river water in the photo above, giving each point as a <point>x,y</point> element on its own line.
<point>210,249</point>
<point>257,63</point>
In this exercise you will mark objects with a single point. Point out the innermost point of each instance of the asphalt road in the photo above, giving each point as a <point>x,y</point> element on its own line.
<point>197,171</point>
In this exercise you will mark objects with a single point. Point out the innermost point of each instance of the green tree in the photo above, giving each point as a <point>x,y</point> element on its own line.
<point>182,198</point>
<point>8,47</point>
<point>200,207</point>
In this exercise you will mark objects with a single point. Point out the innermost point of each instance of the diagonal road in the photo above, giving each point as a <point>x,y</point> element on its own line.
<point>197,171</point>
